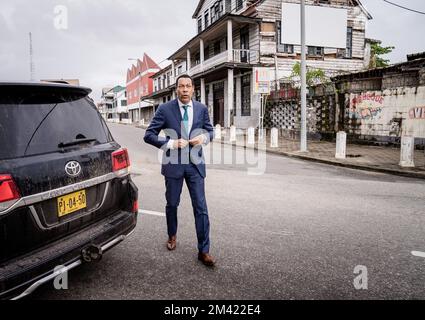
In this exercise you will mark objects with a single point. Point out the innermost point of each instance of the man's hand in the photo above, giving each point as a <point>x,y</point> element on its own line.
<point>180,144</point>
<point>197,140</point>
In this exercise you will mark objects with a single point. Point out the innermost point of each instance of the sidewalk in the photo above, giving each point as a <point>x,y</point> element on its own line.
<point>370,158</point>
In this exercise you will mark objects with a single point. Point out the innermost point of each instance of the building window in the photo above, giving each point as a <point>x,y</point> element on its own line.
<point>349,50</point>
<point>246,95</point>
<point>207,53</point>
<point>244,44</point>
<point>207,19</point>
<point>239,5</point>
<point>197,58</point>
<point>316,51</point>
<point>123,103</point>
<point>282,47</point>
<point>217,11</point>
<point>217,49</point>
<point>347,53</point>
<point>199,25</point>
<point>234,97</point>
<point>198,94</point>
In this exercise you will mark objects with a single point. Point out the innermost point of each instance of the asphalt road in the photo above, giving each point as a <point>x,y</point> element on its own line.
<point>297,231</point>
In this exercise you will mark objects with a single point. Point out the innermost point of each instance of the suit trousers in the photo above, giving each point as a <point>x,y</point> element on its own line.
<point>196,185</point>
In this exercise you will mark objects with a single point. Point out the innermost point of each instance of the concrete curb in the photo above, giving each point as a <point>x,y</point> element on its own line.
<point>409,174</point>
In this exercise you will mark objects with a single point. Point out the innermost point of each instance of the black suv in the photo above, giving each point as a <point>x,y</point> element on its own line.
<point>66,195</point>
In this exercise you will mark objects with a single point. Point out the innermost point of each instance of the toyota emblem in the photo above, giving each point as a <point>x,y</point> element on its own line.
<point>73,168</point>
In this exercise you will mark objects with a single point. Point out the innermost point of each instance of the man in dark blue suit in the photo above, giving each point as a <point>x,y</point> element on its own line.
<point>187,128</point>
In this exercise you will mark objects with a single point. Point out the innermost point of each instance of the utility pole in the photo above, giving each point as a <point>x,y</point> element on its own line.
<point>32,68</point>
<point>303,138</point>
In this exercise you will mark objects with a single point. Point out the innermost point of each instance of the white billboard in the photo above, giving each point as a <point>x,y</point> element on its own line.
<point>325,27</point>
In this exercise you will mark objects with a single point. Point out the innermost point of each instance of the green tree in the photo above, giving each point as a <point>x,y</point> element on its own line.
<point>377,51</point>
<point>314,76</point>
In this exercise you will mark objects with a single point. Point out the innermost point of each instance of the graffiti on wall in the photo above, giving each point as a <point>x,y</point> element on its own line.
<point>417,113</point>
<point>366,106</point>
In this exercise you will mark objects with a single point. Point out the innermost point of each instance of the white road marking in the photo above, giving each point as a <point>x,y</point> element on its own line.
<point>152,213</point>
<point>418,254</point>
<point>278,233</point>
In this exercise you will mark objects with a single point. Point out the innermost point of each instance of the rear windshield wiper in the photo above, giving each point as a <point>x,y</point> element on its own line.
<point>75,142</point>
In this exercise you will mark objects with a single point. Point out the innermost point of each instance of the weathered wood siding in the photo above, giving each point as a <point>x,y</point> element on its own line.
<point>208,5</point>
<point>271,11</point>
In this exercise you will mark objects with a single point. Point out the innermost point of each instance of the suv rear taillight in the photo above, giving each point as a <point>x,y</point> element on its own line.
<point>135,206</point>
<point>120,161</point>
<point>8,189</point>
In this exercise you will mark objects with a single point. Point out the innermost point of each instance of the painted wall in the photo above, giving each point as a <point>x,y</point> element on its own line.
<point>392,112</point>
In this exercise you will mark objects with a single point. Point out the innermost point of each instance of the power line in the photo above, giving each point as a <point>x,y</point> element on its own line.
<point>405,8</point>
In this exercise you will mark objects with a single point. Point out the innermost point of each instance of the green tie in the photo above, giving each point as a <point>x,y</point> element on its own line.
<point>186,119</point>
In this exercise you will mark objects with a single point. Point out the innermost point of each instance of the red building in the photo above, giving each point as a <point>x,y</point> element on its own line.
<point>140,84</point>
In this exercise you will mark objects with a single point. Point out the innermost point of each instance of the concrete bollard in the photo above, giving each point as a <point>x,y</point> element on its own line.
<point>261,135</point>
<point>232,134</point>
<point>217,132</point>
<point>251,136</point>
<point>407,152</point>
<point>274,138</point>
<point>341,145</point>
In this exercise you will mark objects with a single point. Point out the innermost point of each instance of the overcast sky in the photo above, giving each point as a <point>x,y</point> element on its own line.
<point>99,36</point>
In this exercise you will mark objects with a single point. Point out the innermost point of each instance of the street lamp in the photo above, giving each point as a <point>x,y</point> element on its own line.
<point>138,90</point>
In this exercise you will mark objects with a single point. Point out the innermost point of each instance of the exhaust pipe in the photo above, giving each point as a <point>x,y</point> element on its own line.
<point>92,254</point>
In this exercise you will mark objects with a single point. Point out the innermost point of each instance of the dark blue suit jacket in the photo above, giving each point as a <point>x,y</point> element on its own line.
<point>169,118</point>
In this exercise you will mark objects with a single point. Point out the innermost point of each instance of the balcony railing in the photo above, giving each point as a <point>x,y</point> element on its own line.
<point>245,56</point>
<point>215,60</point>
<point>196,69</point>
<point>242,56</point>
<point>238,56</point>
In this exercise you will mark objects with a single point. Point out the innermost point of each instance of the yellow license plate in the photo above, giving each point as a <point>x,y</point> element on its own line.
<point>71,203</point>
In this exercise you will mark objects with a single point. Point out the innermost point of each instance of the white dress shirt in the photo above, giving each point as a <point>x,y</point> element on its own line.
<point>170,144</point>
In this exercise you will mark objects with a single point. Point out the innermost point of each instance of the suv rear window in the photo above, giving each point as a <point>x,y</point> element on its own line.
<point>30,129</point>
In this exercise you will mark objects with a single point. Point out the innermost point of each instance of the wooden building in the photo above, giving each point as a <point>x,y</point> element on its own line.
<point>236,36</point>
